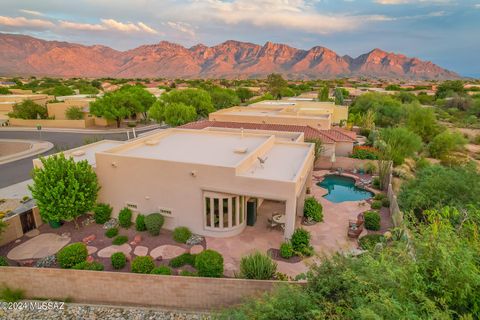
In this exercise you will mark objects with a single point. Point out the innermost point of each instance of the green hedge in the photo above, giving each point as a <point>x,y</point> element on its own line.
<point>103,212</point>
<point>181,234</point>
<point>85,265</point>
<point>3,262</point>
<point>140,223</point>
<point>286,250</point>
<point>154,223</point>
<point>183,259</point>
<point>142,264</point>
<point>257,266</point>
<point>301,242</point>
<point>112,232</point>
<point>125,218</point>
<point>162,270</point>
<point>209,263</point>
<point>372,220</point>
<point>72,254</point>
<point>313,209</point>
<point>369,241</point>
<point>119,240</point>
<point>119,260</point>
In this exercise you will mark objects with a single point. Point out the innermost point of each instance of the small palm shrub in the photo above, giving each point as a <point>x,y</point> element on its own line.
<point>183,259</point>
<point>369,241</point>
<point>140,223</point>
<point>301,242</point>
<point>85,265</point>
<point>209,263</point>
<point>181,234</point>
<point>162,270</point>
<point>143,264</point>
<point>102,213</point>
<point>376,183</point>
<point>112,232</point>
<point>125,218</point>
<point>118,260</point>
<point>257,266</point>
<point>72,254</point>
<point>372,220</point>
<point>119,240</point>
<point>377,204</point>
<point>154,223</point>
<point>3,262</point>
<point>313,210</point>
<point>286,250</point>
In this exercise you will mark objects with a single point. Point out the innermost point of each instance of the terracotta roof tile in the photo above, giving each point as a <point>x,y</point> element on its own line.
<point>326,136</point>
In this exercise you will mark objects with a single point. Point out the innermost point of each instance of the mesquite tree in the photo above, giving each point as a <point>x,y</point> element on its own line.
<point>64,189</point>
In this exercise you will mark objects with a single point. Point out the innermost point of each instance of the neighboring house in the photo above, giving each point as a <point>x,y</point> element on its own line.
<point>334,140</point>
<point>211,181</point>
<point>7,101</point>
<point>21,217</point>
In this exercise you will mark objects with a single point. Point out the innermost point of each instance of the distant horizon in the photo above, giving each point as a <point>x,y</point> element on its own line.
<point>441,31</point>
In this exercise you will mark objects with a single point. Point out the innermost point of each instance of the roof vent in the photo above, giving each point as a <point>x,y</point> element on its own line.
<point>78,153</point>
<point>241,150</point>
<point>151,142</point>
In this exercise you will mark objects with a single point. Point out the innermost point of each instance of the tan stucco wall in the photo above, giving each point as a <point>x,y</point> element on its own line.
<point>58,109</point>
<point>12,232</point>
<point>173,292</point>
<point>152,184</point>
<point>81,124</point>
<point>339,113</point>
<point>343,149</point>
<point>342,162</point>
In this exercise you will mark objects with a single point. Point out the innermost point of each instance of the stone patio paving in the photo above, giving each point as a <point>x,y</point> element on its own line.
<point>38,247</point>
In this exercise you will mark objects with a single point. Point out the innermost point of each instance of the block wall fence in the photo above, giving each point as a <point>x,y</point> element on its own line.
<point>104,287</point>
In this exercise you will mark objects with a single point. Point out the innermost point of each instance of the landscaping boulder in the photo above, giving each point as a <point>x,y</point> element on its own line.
<point>90,259</point>
<point>196,249</point>
<point>89,239</point>
<point>26,263</point>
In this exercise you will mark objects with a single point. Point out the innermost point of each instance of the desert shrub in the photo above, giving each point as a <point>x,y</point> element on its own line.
<point>154,223</point>
<point>209,263</point>
<point>125,218</point>
<point>187,273</point>
<point>74,113</point>
<point>376,183</point>
<point>369,241</point>
<point>313,209</point>
<point>181,234</point>
<point>102,212</point>
<point>11,295</point>
<point>140,223</point>
<point>257,266</point>
<point>118,260</point>
<point>183,259</point>
<point>379,196</point>
<point>162,270</point>
<point>372,220</point>
<point>286,250</point>
<point>377,204</point>
<point>72,255</point>
<point>85,265</point>
<point>3,262</point>
<point>112,232</point>
<point>385,202</point>
<point>301,242</point>
<point>364,152</point>
<point>143,264</point>
<point>119,240</point>
<point>370,168</point>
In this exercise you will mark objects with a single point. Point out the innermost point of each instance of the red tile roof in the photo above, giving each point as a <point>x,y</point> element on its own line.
<point>326,136</point>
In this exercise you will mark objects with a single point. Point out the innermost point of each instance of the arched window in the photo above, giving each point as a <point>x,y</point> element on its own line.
<point>223,211</point>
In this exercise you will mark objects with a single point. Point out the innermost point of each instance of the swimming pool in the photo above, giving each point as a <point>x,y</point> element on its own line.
<point>342,189</point>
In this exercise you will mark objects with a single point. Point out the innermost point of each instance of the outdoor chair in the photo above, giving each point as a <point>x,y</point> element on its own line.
<point>355,227</point>
<point>271,223</point>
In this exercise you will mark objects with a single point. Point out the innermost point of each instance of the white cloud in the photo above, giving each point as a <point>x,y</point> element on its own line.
<point>395,2</point>
<point>25,22</point>
<point>182,27</point>
<point>108,24</point>
<point>81,26</point>
<point>477,6</point>
<point>291,14</point>
<point>31,12</point>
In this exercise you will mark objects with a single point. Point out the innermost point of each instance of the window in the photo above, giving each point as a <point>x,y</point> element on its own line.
<point>223,211</point>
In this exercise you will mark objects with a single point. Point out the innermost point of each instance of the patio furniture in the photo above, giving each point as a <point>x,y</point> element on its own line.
<point>271,223</point>
<point>279,218</point>
<point>355,227</point>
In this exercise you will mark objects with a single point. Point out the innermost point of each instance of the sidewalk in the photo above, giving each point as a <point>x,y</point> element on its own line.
<point>16,191</point>
<point>115,130</point>
<point>36,147</point>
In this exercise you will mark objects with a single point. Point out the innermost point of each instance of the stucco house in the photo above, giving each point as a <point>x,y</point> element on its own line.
<point>211,181</point>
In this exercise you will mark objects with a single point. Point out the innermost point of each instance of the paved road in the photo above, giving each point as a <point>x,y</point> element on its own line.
<point>18,171</point>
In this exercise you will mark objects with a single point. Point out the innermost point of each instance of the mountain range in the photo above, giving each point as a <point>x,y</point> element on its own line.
<point>24,55</point>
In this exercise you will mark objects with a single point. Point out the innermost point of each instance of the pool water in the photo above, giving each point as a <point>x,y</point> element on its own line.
<point>342,189</point>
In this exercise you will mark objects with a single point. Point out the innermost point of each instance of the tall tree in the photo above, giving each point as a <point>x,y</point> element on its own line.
<point>244,94</point>
<point>28,109</point>
<point>339,99</point>
<point>197,98</point>
<point>64,189</point>
<point>275,85</point>
<point>116,106</point>
<point>323,94</point>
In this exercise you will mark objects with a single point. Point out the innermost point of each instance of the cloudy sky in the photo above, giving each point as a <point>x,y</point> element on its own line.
<point>446,32</point>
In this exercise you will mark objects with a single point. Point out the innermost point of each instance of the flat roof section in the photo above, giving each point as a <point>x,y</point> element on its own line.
<point>212,148</point>
<point>87,152</point>
<point>281,162</point>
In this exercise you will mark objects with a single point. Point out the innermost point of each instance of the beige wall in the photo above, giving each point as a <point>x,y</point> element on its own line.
<point>80,124</point>
<point>58,109</point>
<point>343,149</point>
<point>14,227</point>
<point>340,113</point>
<point>37,98</point>
<point>146,290</point>
<point>102,122</point>
<point>342,162</point>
